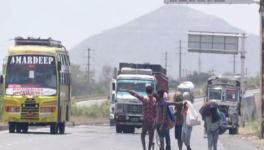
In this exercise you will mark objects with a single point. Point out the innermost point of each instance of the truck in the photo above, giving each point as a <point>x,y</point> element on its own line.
<point>187,86</point>
<point>128,110</point>
<point>226,92</point>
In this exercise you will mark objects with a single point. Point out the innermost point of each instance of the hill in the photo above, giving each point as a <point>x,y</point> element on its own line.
<point>146,38</point>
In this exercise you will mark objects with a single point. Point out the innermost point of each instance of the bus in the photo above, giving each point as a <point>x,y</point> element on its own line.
<point>36,85</point>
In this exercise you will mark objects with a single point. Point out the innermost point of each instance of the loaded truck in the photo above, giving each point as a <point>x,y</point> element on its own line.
<point>128,110</point>
<point>226,92</point>
<point>187,86</point>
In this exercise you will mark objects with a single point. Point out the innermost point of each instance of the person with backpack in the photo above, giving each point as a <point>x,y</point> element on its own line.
<point>213,123</point>
<point>178,103</point>
<point>149,115</point>
<point>163,120</point>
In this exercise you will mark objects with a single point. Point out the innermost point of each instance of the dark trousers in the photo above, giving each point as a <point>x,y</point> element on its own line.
<point>164,133</point>
<point>148,127</point>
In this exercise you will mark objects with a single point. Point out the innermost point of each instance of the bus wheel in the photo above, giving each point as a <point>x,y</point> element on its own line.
<point>25,128</point>
<point>61,127</point>
<point>54,128</point>
<point>18,127</point>
<point>11,127</point>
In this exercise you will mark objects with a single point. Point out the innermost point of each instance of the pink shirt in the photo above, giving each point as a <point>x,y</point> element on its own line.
<point>149,106</point>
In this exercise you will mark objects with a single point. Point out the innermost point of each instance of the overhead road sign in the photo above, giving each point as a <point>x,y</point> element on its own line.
<point>209,1</point>
<point>212,42</point>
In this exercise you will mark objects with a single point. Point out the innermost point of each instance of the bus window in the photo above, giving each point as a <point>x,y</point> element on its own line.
<point>28,74</point>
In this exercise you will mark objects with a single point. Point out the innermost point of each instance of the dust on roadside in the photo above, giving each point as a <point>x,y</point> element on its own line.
<point>82,120</point>
<point>251,135</point>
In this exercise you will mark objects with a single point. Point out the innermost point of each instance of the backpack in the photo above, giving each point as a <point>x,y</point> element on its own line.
<point>171,117</point>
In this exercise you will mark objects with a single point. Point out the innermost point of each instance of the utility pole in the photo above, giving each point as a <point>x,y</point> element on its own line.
<point>166,60</point>
<point>243,57</point>
<point>234,64</point>
<point>88,64</point>
<point>261,11</point>
<point>199,63</point>
<point>180,60</point>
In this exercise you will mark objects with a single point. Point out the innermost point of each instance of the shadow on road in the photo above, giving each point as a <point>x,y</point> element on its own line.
<point>41,133</point>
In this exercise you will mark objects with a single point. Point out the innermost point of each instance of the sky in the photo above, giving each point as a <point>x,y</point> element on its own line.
<point>75,20</point>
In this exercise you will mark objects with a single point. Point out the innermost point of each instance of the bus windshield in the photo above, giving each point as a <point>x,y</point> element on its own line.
<point>31,75</point>
<point>136,85</point>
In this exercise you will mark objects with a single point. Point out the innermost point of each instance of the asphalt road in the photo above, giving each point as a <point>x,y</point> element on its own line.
<point>104,138</point>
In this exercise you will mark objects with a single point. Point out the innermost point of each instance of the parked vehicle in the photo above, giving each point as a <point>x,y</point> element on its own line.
<point>187,86</point>
<point>128,111</point>
<point>226,92</point>
<point>37,86</point>
<point>112,98</point>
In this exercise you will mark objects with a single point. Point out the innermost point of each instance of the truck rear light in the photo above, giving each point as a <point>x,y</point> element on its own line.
<point>12,109</point>
<point>47,109</point>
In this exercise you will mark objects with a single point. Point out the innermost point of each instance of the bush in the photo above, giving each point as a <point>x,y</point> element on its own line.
<point>94,111</point>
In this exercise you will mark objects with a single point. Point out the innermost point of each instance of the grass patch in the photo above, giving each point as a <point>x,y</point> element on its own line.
<point>251,128</point>
<point>94,111</point>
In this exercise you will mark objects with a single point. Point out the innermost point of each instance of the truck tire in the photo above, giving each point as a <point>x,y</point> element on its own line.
<point>54,128</point>
<point>233,131</point>
<point>119,129</point>
<point>11,127</point>
<point>112,122</point>
<point>132,130</point>
<point>61,127</point>
<point>129,129</point>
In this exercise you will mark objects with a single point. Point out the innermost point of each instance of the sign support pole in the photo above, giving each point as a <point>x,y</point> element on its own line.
<point>261,11</point>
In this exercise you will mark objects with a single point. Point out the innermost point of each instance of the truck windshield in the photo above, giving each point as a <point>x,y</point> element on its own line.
<point>136,85</point>
<point>182,90</point>
<point>231,94</point>
<point>31,75</point>
<point>215,94</point>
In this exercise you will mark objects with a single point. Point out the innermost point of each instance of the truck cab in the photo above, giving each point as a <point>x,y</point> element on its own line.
<point>128,110</point>
<point>187,86</point>
<point>226,92</point>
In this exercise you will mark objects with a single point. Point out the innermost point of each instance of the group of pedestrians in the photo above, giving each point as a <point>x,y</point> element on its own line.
<point>156,110</point>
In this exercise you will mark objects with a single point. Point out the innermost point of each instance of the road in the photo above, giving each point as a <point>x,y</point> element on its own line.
<point>104,138</point>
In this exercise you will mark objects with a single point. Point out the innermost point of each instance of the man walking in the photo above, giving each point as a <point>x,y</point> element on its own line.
<point>149,112</point>
<point>162,121</point>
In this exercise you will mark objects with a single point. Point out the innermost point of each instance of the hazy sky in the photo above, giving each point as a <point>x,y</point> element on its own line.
<point>74,20</point>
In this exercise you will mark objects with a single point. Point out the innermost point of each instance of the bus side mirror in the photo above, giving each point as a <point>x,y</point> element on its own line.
<point>59,65</point>
<point>1,79</point>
